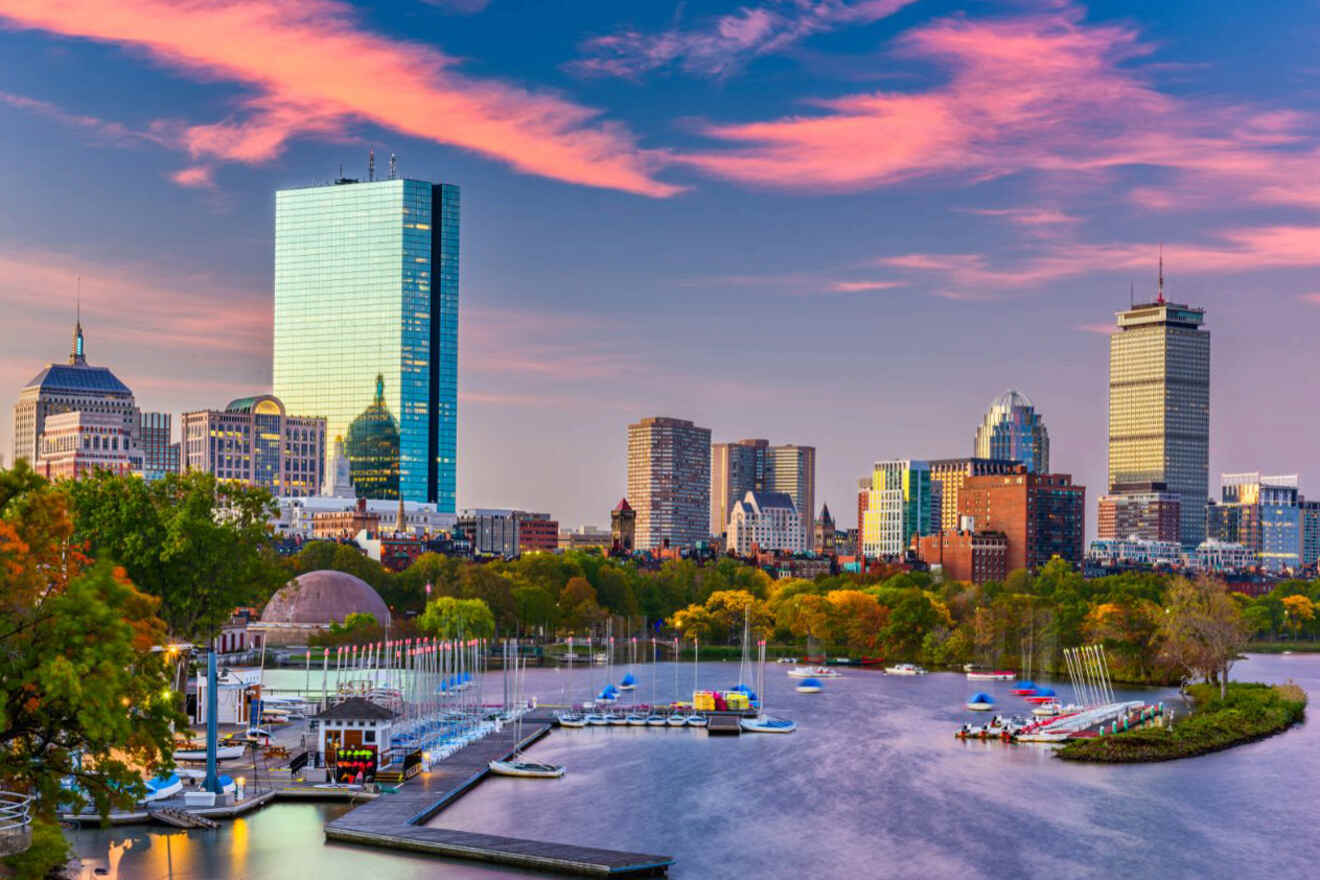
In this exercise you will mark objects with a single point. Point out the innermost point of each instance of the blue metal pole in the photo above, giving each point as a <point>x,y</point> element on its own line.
<point>212,725</point>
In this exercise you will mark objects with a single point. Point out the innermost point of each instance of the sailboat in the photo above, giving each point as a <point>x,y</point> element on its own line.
<point>655,719</point>
<point>515,765</point>
<point>763,723</point>
<point>695,719</point>
<point>571,718</point>
<point>593,718</point>
<point>676,717</point>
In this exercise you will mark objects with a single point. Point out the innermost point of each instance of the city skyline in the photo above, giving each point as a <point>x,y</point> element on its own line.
<point>925,292</point>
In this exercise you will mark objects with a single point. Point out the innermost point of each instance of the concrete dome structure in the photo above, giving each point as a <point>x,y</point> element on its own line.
<point>311,602</point>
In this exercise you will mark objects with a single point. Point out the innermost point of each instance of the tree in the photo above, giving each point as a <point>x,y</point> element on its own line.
<point>578,608</point>
<point>450,618</point>
<point>201,546</point>
<point>1202,629</point>
<point>536,606</point>
<point>1298,611</point>
<point>908,625</point>
<point>694,622</point>
<point>806,615</point>
<point>857,619</point>
<point>83,695</point>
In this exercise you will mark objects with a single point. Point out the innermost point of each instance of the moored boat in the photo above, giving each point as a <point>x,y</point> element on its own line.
<point>676,720</point>
<point>981,702</point>
<point>766,724</point>
<point>904,669</point>
<point>809,686</point>
<point>596,720</point>
<point>635,720</point>
<point>814,672</point>
<point>656,721</point>
<point>222,753</point>
<point>531,769</point>
<point>695,720</point>
<point>989,675</point>
<point>572,719</point>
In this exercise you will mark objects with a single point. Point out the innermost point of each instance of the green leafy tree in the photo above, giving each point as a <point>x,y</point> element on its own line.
<point>202,547</point>
<point>536,607</point>
<point>578,608</point>
<point>85,696</point>
<point>909,622</point>
<point>450,618</point>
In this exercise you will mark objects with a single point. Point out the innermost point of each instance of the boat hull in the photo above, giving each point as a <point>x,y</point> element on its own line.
<point>526,769</point>
<point>767,725</point>
<point>222,753</point>
<point>809,689</point>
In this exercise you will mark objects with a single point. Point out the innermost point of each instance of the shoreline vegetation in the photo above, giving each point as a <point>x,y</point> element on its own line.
<point>1246,713</point>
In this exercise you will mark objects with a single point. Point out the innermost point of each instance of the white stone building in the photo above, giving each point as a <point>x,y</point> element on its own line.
<point>766,521</point>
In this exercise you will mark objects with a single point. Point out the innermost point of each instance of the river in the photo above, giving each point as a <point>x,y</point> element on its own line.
<point>873,784</point>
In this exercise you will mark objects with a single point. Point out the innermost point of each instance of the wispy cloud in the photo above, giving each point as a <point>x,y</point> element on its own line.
<point>1027,216</point>
<point>1236,250</point>
<point>314,70</point>
<point>1102,329</point>
<point>1045,93</point>
<point>864,286</point>
<point>1312,298</point>
<point>718,46</point>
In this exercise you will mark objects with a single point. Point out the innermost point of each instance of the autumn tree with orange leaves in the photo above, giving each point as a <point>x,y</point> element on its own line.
<point>83,695</point>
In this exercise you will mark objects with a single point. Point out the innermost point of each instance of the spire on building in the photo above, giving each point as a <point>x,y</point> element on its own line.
<point>77,357</point>
<point>371,164</point>
<point>1159,291</point>
<point>401,519</point>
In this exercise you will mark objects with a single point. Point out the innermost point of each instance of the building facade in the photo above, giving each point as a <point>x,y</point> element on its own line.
<point>159,455</point>
<point>366,324</point>
<point>974,557</point>
<point>756,466</point>
<point>77,444</point>
<point>899,505</point>
<point>823,543</point>
<point>623,528</point>
<point>1118,552</point>
<point>952,473</point>
<point>254,442</point>
<point>507,533</point>
<point>1042,515</point>
<point>586,538</point>
<point>765,521</point>
<point>1159,406</point>
<point>669,482</point>
<point>1151,515</point>
<point>74,386</point>
<point>1012,430</point>
<point>1266,514</point>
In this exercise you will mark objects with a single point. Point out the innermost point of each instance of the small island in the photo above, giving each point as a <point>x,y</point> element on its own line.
<point>1241,713</point>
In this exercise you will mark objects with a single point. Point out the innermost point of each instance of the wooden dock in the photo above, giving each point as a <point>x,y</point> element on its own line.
<point>723,723</point>
<point>180,818</point>
<point>396,821</point>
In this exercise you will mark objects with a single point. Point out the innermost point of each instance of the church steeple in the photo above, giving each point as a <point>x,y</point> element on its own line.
<point>77,356</point>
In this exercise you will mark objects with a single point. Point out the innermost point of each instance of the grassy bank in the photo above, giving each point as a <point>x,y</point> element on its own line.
<point>1300,647</point>
<point>1249,712</point>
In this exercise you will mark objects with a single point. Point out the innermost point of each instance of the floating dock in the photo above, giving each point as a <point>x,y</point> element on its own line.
<point>396,821</point>
<point>724,723</point>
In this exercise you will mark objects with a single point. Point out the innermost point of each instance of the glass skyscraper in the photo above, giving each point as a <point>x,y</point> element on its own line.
<point>1013,431</point>
<point>366,328</point>
<point>1159,407</point>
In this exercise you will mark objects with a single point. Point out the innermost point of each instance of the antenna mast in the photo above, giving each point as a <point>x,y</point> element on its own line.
<point>393,165</point>
<point>1160,291</point>
<point>371,164</point>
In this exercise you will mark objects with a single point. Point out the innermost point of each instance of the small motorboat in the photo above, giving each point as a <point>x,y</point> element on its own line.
<point>529,769</point>
<point>572,719</point>
<point>695,720</point>
<point>656,721</point>
<point>814,672</point>
<point>162,787</point>
<point>810,686</point>
<point>787,660</point>
<point>904,669</point>
<point>981,702</point>
<point>1048,709</point>
<point>991,675</point>
<point>1024,688</point>
<point>1042,695</point>
<point>596,720</point>
<point>676,720</point>
<point>635,720</point>
<point>222,753</point>
<point>629,683</point>
<point>766,724</point>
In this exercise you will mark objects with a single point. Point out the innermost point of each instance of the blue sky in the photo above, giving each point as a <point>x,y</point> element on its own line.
<point>847,224</point>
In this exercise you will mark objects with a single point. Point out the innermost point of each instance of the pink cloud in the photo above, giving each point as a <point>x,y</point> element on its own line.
<point>863,286</point>
<point>314,71</point>
<point>195,176</point>
<point>1028,216</point>
<point>1103,329</point>
<point>1235,250</point>
<point>1045,93</point>
<point>723,44</point>
<point>1313,298</point>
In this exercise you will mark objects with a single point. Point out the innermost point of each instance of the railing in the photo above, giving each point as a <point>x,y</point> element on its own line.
<point>15,822</point>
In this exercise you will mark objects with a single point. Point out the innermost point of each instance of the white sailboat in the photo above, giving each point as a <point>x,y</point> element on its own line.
<point>695,719</point>
<point>515,765</point>
<point>570,718</point>
<point>655,719</point>
<point>764,723</point>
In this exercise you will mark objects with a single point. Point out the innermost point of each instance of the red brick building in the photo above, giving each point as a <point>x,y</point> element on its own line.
<point>344,523</point>
<point>965,556</point>
<point>1041,515</point>
<point>537,534</point>
<point>1150,513</point>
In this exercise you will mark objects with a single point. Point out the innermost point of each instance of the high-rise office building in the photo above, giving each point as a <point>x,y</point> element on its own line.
<point>159,455</point>
<point>252,441</point>
<point>669,482</point>
<point>899,505</point>
<point>366,327</point>
<point>952,473</point>
<point>1159,406</point>
<point>75,386</point>
<point>1264,513</point>
<point>756,466</point>
<point>1012,430</point>
<point>1042,515</point>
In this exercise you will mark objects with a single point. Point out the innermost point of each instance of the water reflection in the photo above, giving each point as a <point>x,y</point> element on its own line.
<point>873,784</point>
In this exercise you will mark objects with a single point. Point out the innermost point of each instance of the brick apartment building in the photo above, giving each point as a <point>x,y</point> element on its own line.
<point>1041,515</point>
<point>975,557</point>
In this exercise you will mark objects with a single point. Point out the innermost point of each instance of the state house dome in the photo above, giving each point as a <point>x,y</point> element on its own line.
<point>311,602</point>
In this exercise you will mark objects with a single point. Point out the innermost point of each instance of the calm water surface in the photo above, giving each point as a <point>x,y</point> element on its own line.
<point>873,784</point>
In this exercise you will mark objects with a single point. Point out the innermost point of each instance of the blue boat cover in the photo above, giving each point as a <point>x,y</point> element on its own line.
<point>628,679</point>
<point>1025,685</point>
<point>810,682</point>
<point>981,697</point>
<point>1045,692</point>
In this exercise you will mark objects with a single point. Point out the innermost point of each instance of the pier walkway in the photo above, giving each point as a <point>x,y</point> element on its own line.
<point>397,820</point>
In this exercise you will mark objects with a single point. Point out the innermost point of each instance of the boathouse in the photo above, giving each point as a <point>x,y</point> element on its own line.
<point>354,735</point>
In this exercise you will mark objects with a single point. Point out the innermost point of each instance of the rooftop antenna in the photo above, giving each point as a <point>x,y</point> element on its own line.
<point>393,165</point>
<point>371,164</point>
<point>1132,295</point>
<point>1160,292</point>
<point>341,170</point>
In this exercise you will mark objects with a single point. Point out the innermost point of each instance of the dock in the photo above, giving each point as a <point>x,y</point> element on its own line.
<point>723,723</point>
<point>180,818</point>
<point>396,821</point>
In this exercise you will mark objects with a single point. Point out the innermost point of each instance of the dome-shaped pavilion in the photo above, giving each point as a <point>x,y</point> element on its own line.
<point>311,602</point>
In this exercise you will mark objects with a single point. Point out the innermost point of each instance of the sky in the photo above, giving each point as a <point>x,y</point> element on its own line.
<point>841,224</point>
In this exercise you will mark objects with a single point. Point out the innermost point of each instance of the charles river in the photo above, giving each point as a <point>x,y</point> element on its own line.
<point>873,784</point>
